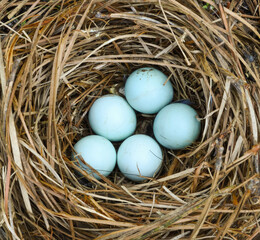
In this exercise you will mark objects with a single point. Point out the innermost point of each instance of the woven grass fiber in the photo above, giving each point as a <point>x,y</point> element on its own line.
<point>58,57</point>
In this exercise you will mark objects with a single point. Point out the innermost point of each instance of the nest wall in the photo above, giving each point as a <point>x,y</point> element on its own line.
<point>58,57</point>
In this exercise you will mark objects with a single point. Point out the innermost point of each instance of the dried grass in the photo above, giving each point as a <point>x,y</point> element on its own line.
<point>57,57</point>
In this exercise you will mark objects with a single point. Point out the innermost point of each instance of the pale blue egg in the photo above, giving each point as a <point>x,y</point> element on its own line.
<point>96,151</point>
<point>176,126</point>
<point>146,91</point>
<point>139,156</point>
<point>111,117</point>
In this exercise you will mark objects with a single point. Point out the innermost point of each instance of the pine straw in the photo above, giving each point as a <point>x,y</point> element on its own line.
<point>57,57</point>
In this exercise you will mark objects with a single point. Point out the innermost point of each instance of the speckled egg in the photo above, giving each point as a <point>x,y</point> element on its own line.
<point>147,90</point>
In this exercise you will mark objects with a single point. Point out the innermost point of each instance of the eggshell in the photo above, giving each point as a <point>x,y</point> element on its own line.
<point>176,126</point>
<point>111,117</point>
<point>96,151</point>
<point>146,91</point>
<point>139,155</point>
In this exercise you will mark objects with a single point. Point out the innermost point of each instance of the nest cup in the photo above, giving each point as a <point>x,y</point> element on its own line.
<point>58,58</point>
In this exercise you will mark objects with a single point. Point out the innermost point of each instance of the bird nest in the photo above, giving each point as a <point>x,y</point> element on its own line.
<point>58,57</point>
